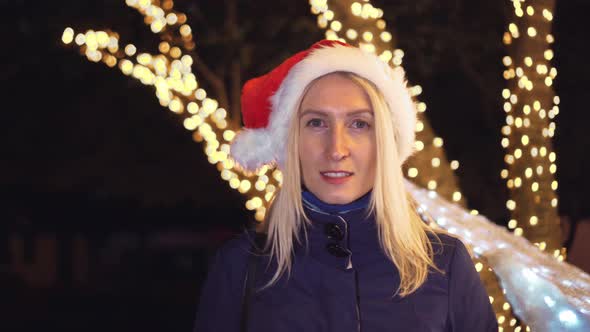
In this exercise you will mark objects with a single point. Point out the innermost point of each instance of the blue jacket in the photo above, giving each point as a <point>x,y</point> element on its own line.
<point>322,294</point>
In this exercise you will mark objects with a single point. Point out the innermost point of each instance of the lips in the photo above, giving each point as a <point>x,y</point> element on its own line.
<point>336,176</point>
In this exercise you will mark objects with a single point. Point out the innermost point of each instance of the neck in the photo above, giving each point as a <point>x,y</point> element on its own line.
<point>311,201</point>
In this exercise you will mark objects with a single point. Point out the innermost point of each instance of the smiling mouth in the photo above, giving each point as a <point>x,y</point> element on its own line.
<point>336,174</point>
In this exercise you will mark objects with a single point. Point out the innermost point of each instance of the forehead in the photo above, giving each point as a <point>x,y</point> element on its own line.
<point>335,93</point>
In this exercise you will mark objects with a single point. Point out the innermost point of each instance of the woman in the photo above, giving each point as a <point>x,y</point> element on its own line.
<point>344,250</point>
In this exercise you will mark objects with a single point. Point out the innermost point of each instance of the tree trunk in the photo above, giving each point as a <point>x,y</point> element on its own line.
<point>531,105</point>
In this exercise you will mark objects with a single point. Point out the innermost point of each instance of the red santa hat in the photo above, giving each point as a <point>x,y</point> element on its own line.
<point>268,100</point>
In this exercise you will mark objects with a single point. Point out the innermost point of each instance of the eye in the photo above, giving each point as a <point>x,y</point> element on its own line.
<point>360,124</point>
<point>314,123</point>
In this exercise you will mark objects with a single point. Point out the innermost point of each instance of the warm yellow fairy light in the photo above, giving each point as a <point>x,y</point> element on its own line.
<point>336,25</point>
<point>234,183</point>
<point>385,36</point>
<point>144,59</point>
<point>438,142</point>
<point>435,162</point>
<point>548,15</point>
<point>530,10</point>
<point>432,185</point>
<point>528,61</point>
<point>126,66</point>
<point>80,39</point>
<point>548,54</point>
<point>512,224</point>
<point>68,36</point>
<point>532,32</point>
<point>504,173</point>
<point>421,107</point>
<point>419,145</point>
<point>130,49</point>
<point>513,30</point>
<point>356,8</point>
<point>510,204</point>
<point>543,151</point>
<point>386,56</point>
<point>351,34</point>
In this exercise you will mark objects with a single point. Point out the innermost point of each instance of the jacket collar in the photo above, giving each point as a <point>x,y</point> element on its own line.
<point>340,235</point>
<point>311,201</point>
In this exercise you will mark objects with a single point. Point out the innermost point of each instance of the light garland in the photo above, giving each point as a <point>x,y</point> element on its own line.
<point>549,295</point>
<point>531,106</point>
<point>176,87</point>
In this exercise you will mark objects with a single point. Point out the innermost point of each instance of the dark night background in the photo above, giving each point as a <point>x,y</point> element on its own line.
<point>97,175</point>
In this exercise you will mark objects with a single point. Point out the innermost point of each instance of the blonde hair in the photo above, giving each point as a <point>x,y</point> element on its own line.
<point>402,233</point>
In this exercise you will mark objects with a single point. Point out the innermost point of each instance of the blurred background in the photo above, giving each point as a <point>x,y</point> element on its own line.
<point>110,210</point>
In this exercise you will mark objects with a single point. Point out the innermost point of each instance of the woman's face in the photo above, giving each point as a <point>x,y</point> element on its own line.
<point>337,148</point>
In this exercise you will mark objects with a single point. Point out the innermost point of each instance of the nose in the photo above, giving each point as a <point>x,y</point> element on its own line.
<point>338,148</point>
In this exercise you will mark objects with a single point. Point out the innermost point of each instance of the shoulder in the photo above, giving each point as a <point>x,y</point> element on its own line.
<point>237,248</point>
<point>449,251</point>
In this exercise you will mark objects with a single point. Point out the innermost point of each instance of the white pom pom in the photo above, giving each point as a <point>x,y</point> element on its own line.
<point>252,148</point>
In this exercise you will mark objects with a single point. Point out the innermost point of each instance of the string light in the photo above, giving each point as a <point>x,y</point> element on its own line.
<point>527,101</point>
<point>176,87</point>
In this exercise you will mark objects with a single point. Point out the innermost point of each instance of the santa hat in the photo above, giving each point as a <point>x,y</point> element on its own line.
<point>268,100</point>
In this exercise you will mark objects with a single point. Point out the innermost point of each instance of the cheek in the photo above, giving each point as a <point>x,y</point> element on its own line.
<point>306,153</point>
<point>368,153</point>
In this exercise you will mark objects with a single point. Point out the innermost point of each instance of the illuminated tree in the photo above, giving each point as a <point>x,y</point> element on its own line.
<point>531,106</point>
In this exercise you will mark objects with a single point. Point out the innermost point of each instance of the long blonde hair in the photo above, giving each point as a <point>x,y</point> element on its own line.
<point>402,234</point>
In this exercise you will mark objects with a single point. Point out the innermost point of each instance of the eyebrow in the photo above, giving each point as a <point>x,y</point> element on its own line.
<point>349,114</point>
